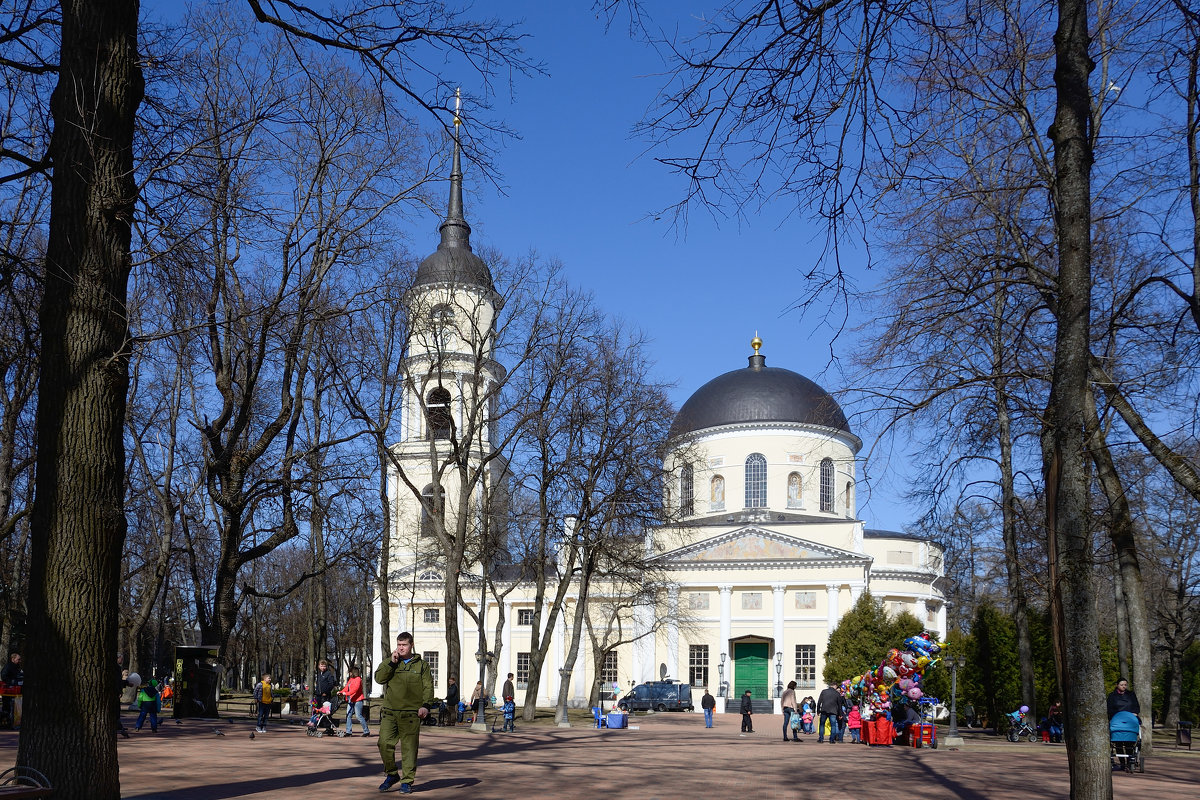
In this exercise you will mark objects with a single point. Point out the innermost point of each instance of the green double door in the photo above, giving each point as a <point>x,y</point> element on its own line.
<point>751,662</point>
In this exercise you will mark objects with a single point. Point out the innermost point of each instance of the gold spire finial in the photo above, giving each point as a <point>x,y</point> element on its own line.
<point>756,343</point>
<point>457,106</point>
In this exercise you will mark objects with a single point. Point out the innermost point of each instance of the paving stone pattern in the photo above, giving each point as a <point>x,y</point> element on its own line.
<point>667,757</point>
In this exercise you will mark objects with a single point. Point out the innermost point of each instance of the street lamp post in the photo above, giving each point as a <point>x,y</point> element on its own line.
<point>721,676</point>
<point>953,739</point>
<point>779,673</point>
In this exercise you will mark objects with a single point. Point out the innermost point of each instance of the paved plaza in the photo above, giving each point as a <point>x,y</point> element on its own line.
<point>668,756</point>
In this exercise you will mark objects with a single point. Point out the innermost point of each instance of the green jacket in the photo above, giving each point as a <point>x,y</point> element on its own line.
<point>408,685</point>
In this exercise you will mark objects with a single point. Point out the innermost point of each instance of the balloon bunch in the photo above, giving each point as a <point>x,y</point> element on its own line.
<point>898,677</point>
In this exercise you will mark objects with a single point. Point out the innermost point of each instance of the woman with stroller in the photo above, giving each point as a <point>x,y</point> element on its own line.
<point>1123,699</point>
<point>353,692</point>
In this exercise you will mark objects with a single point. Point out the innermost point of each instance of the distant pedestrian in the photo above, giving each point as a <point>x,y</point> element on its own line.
<point>263,697</point>
<point>854,723</point>
<point>451,704</point>
<point>326,684</point>
<point>708,703</point>
<point>1123,699</point>
<point>747,711</point>
<point>509,689</point>
<point>353,692</point>
<point>477,702</point>
<point>122,676</point>
<point>12,676</point>
<point>829,704</point>
<point>788,701</point>
<point>147,698</point>
<point>510,715</point>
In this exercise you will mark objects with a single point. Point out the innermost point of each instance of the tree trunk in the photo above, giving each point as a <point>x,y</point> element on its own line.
<point>78,519</point>
<point>1131,595</point>
<point>1008,510</point>
<point>1076,623</point>
<point>382,580</point>
<point>581,604</point>
<point>1122,623</point>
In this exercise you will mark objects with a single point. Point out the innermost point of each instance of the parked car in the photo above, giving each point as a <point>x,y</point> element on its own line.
<point>658,696</point>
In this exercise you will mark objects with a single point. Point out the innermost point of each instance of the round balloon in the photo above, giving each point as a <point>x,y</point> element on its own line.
<point>135,679</point>
<point>1024,709</point>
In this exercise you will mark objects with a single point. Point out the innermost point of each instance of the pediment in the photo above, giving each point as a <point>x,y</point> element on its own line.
<point>754,544</point>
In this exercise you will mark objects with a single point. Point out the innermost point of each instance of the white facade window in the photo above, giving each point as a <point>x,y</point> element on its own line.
<point>806,601</point>
<point>687,492</point>
<point>698,601</point>
<point>849,498</point>
<point>437,412</point>
<point>698,665</point>
<point>827,485</point>
<point>608,672</point>
<point>524,616</point>
<point>752,601</point>
<point>430,657</point>
<point>522,671</point>
<point>806,666</point>
<point>756,481</point>
<point>433,615</point>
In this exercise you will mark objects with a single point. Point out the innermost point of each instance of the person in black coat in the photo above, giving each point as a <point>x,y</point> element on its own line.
<point>829,703</point>
<point>451,704</point>
<point>747,710</point>
<point>325,685</point>
<point>1123,699</point>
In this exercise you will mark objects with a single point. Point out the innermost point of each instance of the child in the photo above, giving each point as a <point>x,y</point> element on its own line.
<point>510,714</point>
<point>854,722</point>
<point>147,697</point>
<point>262,696</point>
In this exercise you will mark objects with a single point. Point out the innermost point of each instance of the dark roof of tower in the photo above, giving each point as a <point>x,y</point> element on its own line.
<point>453,261</point>
<point>759,394</point>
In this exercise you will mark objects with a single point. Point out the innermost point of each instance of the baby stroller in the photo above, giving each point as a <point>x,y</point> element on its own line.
<point>321,723</point>
<point>1018,726</point>
<point>1125,739</point>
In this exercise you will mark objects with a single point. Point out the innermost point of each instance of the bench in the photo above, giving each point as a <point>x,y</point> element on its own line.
<point>23,782</point>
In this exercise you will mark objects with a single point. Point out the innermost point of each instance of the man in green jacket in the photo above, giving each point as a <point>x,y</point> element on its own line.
<point>407,695</point>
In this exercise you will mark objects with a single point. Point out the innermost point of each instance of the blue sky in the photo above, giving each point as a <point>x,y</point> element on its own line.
<point>577,186</point>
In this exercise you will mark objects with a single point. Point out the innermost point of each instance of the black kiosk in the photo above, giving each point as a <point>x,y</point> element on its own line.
<point>197,676</point>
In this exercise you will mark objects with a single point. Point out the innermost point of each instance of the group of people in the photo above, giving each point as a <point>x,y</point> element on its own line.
<point>325,688</point>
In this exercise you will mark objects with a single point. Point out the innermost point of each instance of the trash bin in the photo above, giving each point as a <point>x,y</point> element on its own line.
<point>1183,735</point>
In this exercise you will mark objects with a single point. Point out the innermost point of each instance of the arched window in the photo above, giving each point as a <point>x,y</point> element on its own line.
<point>437,411</point>
<point>827,485</point>
<point>716,495</point>
<point>431,507</point>
<point>687,493</point>
<point>795,492</point>
<point>442,312</point>
<point>756,481</point>
<point>849,498</point>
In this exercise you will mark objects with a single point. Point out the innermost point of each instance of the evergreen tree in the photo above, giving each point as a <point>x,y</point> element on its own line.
<point>863,637</point>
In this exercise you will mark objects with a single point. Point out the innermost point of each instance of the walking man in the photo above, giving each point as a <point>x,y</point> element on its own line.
<point>747,710</point>
<point>829,703</point>
<point>708,703</point>
<point>509,690</point>
<point>407,694</point>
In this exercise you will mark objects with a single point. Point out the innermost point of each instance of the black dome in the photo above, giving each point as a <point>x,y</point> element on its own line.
<point>454,264</point>
<point>758,393</point>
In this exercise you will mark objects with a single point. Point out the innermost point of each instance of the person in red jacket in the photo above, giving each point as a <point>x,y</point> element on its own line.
<point>353,692</point>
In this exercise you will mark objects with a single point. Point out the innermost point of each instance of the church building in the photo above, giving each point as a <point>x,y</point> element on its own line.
<point>763,554</point>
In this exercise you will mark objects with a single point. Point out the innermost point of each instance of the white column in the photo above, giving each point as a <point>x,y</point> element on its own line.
<point>508,659</point>
<point>672,659</point>
<point>560,636</point>
<point>643,647</point>
<point>856,590</point>
<point>831,592</point>
<point>779,591</point>
<point>943,621</point>
<point>582,660</point>
<point>723,644</point>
